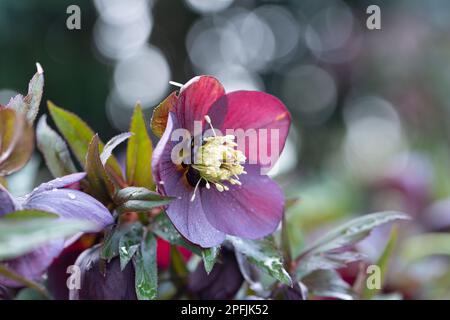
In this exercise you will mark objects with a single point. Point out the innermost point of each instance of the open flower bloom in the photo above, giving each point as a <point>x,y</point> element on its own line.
<point>219,185</point>
<point>68,204</point>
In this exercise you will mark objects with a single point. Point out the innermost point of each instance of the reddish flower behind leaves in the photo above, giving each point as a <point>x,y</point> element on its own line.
<point>224,192</point>
<point>163,253</point>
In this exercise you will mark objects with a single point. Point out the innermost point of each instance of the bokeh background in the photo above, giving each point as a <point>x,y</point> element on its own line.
<point>371,108</point>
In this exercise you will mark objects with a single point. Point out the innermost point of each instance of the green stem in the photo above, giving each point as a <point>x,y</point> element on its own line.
<point>22,280</point>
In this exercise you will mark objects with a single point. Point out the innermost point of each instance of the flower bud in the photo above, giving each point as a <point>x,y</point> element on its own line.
<point>114,284</point>
<point>223,282</point>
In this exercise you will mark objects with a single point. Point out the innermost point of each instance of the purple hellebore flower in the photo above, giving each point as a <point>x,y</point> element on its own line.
<point>223,282</point>
<point>216,197</point>
<point>68,204</point>
<point>115,284</point>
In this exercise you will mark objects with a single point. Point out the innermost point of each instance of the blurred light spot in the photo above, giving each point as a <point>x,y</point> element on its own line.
<point>237,37</point>
<point>142,77</point>
<point>120,41</point>
<point>374,135</point>
<point>284,26</point>
<point>208,6</point>
<point>288,158</point>
<point>204,48</point>
<point>247,39</point>
<point>437,216</point>
<point>237,78</point>
<point>310,91</point>
<point>118,112</point>
<point>121,12</point>
<point>329,31</point>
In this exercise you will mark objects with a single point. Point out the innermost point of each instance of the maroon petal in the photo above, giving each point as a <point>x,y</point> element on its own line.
<point>251,211</point>
<point>195,99</point>
<point>32,265</point>
<point>187,216</point>
<point>255,111</point>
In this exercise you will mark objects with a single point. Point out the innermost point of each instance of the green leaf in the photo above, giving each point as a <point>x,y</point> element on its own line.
<point>285,242</point>
<point>10,274</point>
<point>140,193</point>
<point>140,205</point>
<point>383,264</point>
<point>31,294</point>
<point>178,267</point>
<point>164,229</point>
<point>320,254</point>
<point>328,283</point>
<point>99,183</point>
<point>353,231</point>
<point>146,279</point>
<point>210,257</point>
<point>54,149</point>
<point>129,244</point>
<point>29,214</point>
<point>264,254</point>
<point>110,247</point>
<point>79,135</point>
<point>112,144</point>
<point>19,236</point>
<point>139,153</point>
<point>326,261</point>
<point>29,105</point>
<point>139,199</point>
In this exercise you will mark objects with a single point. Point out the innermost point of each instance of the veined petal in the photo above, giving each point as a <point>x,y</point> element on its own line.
<point>195,99</point>
<point>187,216</point>
<point>59,183</point>
<point>250,112</point>
<point>32,265</point>
<point>190,219</point>
<point>161,154</point>
<point>71,204</point>
<point>252,210</point>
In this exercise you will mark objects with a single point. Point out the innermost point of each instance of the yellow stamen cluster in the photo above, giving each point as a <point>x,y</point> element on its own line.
<point>218,160</point>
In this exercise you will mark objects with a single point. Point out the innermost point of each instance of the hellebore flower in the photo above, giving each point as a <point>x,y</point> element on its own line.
<point>57,274</point>
<point>113,285</point>
<point>68,204</point>
<point>223,282</point>
<point>163,253</point>
<point>220,189</point>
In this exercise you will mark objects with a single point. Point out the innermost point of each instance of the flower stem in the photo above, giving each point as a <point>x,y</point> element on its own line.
<point>22,280</point>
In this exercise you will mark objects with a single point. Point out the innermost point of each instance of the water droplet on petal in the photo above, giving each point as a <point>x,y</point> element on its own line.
<point>71,196</point>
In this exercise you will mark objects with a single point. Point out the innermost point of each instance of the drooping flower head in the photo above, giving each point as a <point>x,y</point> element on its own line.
<point>217,172</point>
<point>52,197</point>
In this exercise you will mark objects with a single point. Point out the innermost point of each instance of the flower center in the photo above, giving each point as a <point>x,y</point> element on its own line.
<point>218,161</point>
